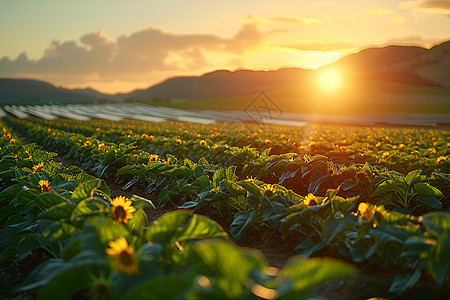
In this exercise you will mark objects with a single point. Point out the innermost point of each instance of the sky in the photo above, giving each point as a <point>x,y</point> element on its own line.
<point>117,45</point>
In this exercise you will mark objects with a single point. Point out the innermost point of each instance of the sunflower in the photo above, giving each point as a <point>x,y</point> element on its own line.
<point>202,143</point>
<point>440,158</point>
<point>124,259</point>
<point>12,142</point>
<point>45,188</point>
<point>178,141</point>
<point>310,200</point>
<point>87,143</point>
<point>122,209</point>
<point>38,167</point>
<point>363,209</point>
<point>153,157</point>
<point>267,142</point>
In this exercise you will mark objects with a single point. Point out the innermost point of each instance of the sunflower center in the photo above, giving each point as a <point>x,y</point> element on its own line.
<point>101,289</point>
<point>126,258</point>
<point>119,213</point>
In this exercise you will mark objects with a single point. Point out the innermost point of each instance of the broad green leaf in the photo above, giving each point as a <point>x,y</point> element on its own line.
<point>89,188</point>
<point>241,222</point>
<point>300,275</point>
<point>60,211</point>
<point>139,201</point>
<point>47,200</point>
<point>164,229</point>
<point>429,201</point>
<point>201,227</point>
<point>439,260</point>
<point>89,207</point>
<point>412,176</point>
<point>427,189</point>
<point>163,287</point>
<point>438,222</point>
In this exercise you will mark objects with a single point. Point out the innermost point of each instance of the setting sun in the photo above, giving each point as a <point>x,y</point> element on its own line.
<point>330,80</point>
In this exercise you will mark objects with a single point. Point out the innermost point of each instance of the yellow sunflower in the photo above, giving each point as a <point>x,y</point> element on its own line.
<point>122,209</point>
<point>153,157</point>
<point>45,186</point>
<point>38,167</point>
<point>124,259</point>
<point>364,210</point>
<point>440,158</point>
<point>310,200</point>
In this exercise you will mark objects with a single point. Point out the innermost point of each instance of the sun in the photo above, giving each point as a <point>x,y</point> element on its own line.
<point>330,80</point>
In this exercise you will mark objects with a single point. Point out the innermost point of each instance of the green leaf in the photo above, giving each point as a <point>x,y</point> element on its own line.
<point>429,201</point>
<point>89,207</point>
<point>60,211</point>
<point>89,188</point>
<point>137,223</point>
<point>107,229</point>
<point>388,186</point>
<point>139,201</point>
<point>201,227</point>
<point>10,193</point>
<point>42,274</point>
<point>161,288</point>
<point>427,189</point>
<point>251,187</point>
<point>163,229</point>
<point>403,282</point>
<point>26,197</point>
<point>241,222</point>
<point>439,260</point>
<point>412,176</point>
<point>47,200</point>
<point>230,262</point>
<point>300,275</point>
<point>438,222</point>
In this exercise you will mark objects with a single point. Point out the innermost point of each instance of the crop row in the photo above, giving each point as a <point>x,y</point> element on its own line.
<point>402,150</point>
<point>353,227</point>
<point>95,246</point>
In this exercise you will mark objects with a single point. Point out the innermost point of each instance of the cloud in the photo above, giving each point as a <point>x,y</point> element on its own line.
<point>393,15</point>
<point>439,4</point>
<point>436,6</point>
<point>382,11</point>
<point>283,19</point>
<point>148,50</point>
<point>320,45</point>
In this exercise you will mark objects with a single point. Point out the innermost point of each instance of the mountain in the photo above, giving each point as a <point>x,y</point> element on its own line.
<point>373,70</point>
<point>30,90</point>
<point>410,65</point>
<point>221,83</point>
<point>405,64</point>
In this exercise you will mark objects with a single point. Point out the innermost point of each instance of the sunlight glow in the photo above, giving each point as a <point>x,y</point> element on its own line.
<point>330,80</point>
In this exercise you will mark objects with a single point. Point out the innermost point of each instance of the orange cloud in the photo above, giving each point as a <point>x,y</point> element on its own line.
<point>433,6</point>
<point>283,19</point>
<point>320,45</point>
<point>129,57</point>
<point>394,16</point>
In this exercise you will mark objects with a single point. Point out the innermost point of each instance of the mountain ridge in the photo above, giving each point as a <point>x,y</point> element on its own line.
<point>411,65</point>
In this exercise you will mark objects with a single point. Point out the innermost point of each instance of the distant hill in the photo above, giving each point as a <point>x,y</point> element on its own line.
<point>29,90</point>
<point>405,64</point>
<point>398,64</point>
<point>391,65</point>
<point>221,83</point>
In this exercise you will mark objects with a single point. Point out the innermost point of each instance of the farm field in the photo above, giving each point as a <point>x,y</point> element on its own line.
<point>100,204</point>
